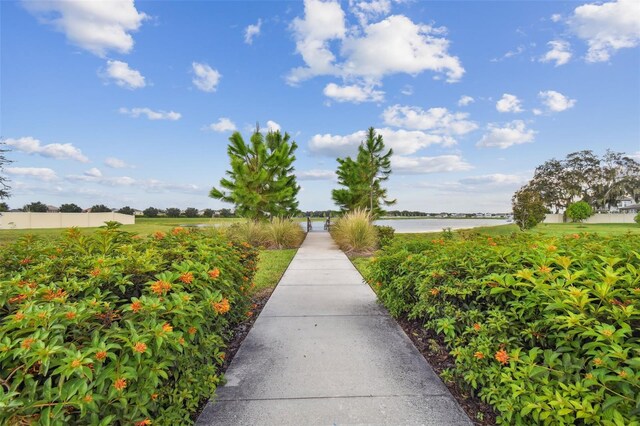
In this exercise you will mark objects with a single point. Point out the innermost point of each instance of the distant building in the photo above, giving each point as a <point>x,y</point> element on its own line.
<point>621,204</point>
<point>53,209</point>
<point>630,208</point>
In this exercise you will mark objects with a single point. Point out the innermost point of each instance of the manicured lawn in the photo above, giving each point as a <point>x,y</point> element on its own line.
<point>559,229</point>
<point>271,267</point>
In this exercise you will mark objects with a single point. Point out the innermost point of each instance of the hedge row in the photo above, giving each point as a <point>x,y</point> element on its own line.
<point>110,328</point>
<point>546,330</point>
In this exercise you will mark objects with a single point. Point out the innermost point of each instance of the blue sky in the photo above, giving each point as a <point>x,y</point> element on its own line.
<point>125,103</point>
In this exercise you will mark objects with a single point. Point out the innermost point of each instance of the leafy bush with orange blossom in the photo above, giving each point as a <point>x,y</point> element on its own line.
<point>110,328</point>
<point>546,330</point>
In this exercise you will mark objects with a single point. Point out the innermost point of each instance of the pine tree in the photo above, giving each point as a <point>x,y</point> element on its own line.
<point>4,187</point>
<point>363,177</point>
<point>261,183</point>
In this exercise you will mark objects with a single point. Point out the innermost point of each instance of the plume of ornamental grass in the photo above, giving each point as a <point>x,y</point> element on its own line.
<point>354,232</point>
<point>284,233</point>
<point>254,233</point>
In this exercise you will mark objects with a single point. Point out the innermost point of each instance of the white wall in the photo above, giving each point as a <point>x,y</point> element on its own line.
<point>596,218</point>
<point>61,220</point>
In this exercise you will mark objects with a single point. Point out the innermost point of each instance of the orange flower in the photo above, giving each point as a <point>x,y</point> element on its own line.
<point>25,261</point>
<point>597,361</point>
<point>177,230</point>
<point>144,422</point>
<point>58,294</point>
<point>154,396</point>
<point>26,343</point>
<point>167,328</point>
<point>622,374</point>
<point>136,306</point>
<point>545,269</point>
<point>576,236</point>
<point>17,298</point>
<point>120,384</point>
<point>88,398</point>
<point>19,316</point>
<point>181,340</point>
<point>100,355</point>
<point>502,356</point>
<point>186,278</point>
<point>158,235</point>
<point>140,347</point>
<point>221,307</point>
<point>215,273</point>
<point>222,356</point>
<point>95,272</point>
<point>435,291</point>
<point>477,327</point>
<point>70,315</point>
<point>552,248</point>
<point>192,330</point>
<point>76,363</point>
<point>249,314</point>
<point>478,355</point>
<point>160,287</point>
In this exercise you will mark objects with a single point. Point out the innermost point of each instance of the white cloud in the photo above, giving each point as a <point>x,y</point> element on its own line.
<point>465,100</point>
<point>41,173</point>
<point>315,174</point>
<point>223,124</point>
<point>424,165</point>
<point>560,53</point>
<point>513,133</point>
<point>509,103</point>
<point>556,101</point>
<point>353,93</point>
<point>94,172</point>
<point>116,163</point>
<point>151,114</point>
<point>495,179</point>
<point>556,17</point>
<point>403,142</point>
<point>124,76</point>
<point>393,45</point>
<point>252,31</point>
<point>58,151</point>
<point>536,111</point>
<point>367,10</point>
<point>510,54</point>
<point>206,78</point>
<point>96,26</point>
<point>436,120</point>
<point>272,126</point>
<point>607,27</point>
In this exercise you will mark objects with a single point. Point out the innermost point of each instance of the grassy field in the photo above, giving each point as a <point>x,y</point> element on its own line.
<point>271,267</point>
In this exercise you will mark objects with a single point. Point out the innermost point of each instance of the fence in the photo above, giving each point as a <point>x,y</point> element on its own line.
<point>61,220</point>
<point>596,218</point>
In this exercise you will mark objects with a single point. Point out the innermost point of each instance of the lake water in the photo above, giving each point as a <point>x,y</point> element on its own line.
<point>409,226</point>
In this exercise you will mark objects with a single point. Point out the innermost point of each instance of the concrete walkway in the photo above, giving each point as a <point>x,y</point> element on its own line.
<point>323,352</point>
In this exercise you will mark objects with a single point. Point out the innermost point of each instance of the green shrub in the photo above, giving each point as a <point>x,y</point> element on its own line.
<point>385,235</point>
<point>546,330</point>
<point>579,211</point>
<point>637,218</point>
<point>284,233</point>
<point>110,328</point>
<point>353,232</point>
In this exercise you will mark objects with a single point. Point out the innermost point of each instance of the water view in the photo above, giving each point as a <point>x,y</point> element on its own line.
<point>409,226</point>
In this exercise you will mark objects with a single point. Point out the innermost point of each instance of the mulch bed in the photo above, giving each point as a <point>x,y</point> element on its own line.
<point>434,351</point>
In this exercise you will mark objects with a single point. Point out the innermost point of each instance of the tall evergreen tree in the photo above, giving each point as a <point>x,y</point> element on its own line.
<point>260,183</point>
<point>363,177</point>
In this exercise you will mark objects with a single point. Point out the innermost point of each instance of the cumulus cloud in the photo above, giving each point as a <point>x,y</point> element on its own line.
<point>41,173</point>
<point>436,120</point>
<point>151,114</point>
<point>124,76</point>
<point>95,172</point>
<point>96,26</point>
<point>272,126</point>
<point>424,165</point>
<point>513,133</point>
<point>58,151</point>
<point>315,174</point>
<point>206,78</point>
<point>607,27</point>
<point>116,163</point>
<point>465,100</point>
<point>252,31</point>
<point>559,52</point>
<point>223,124</point>
<point>403,142</point>
<point>394,45</point>
<point>509,103</point>
<point>367,10</point>
<point>353,93</point>
<point>556,101</point>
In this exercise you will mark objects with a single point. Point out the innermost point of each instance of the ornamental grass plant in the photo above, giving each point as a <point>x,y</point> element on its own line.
<point>354,232</point>
<point>284,233</point>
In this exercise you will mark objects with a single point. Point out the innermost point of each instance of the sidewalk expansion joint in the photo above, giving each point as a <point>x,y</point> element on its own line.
<point>411,395</point>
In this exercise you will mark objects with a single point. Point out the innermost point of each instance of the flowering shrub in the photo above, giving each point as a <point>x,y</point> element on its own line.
<point>546,330</point>
<point>111,328</point>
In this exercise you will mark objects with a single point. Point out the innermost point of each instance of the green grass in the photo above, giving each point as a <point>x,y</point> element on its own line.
<point>559,229</point>
<point>271,267</point>
<point>143,226</point>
